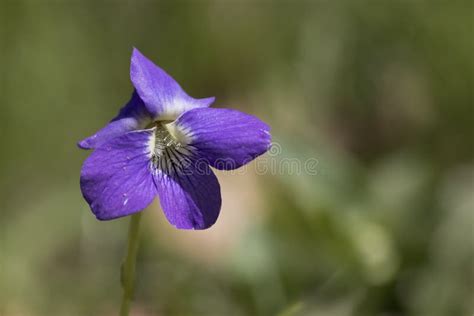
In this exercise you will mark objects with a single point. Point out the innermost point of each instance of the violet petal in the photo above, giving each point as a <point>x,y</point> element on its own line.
<point>191,198</point>
<point>131,117</point>
<point>226,138</point>
<point>116,179</point>
<point>162,95</point>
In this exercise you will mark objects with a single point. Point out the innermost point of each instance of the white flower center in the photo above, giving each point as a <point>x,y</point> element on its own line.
<point>170,152</point>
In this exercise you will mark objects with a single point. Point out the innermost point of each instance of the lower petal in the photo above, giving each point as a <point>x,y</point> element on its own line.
<point>116,179</point>
<point>190,198</point>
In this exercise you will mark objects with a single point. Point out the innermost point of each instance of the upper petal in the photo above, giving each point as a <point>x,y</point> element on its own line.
<point>190,198</point>
<point>116,179</point>
<point>163,96</point>
<point>131,117</point>
<point>227,139</point>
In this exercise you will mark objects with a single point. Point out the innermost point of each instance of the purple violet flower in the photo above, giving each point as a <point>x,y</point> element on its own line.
<point>162,143</point>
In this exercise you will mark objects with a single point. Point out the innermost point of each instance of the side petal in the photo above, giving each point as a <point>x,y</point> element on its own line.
<point>163,96</point>
<point>116,179</point>
<point>131,117</point>
<point>226,139</point>
<point>191,198</point>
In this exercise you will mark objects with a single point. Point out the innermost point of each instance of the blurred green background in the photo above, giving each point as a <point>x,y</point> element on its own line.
<point>378,91</point>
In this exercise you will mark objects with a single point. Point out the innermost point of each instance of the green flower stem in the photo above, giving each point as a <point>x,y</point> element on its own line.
<point>128,267</point>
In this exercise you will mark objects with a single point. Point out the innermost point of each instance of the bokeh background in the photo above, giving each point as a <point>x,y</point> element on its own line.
<point>378,92</point>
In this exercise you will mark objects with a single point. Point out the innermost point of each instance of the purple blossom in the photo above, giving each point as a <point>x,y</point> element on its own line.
<point>162,142</point>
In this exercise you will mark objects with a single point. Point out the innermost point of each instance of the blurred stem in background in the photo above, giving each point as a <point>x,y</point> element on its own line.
<point>128,267</point>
